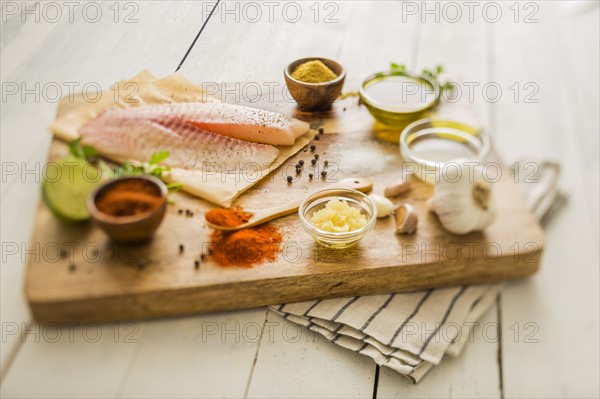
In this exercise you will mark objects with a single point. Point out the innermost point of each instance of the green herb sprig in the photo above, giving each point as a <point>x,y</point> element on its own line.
<point>153,167</point>
<point>429,74</point>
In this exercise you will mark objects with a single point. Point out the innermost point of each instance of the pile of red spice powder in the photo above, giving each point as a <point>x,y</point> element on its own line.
<point>128,198</point>
<point>228,217</point>
<point>244,247</point>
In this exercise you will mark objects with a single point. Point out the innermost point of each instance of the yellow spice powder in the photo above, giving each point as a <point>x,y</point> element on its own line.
<point>313,72</point>
<point>338,217</point>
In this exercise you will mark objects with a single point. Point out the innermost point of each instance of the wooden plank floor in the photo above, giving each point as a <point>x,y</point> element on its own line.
<point>549,323</point>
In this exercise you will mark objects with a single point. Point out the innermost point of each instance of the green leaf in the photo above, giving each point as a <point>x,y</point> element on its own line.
<point>126,170</point>
<point>174,187</point>
<point>159,156</point>
<point>449,86</point>
<point>156,170</point>
<point>397,67</point>
<point>86,152</point>
<point>75,148</point>
<point>156,173</point>
<point>89,152</point>
<point>428,74</point>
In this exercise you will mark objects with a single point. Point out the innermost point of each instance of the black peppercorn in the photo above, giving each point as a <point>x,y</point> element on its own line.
<point>301,162</point>
<point>317,138</point>
<point>313,147</point>
<point>321,130</point>
<point>313,161</point>
<point>324,173</point>
<point>316,156</point>
<point>310,176</point>
<point>289,179</point>
<point>326,163</point>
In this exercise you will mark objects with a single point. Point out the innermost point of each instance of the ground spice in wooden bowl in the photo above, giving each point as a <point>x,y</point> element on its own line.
<point>129,197</point>
<point>130,209</point>
<point>313,72</point>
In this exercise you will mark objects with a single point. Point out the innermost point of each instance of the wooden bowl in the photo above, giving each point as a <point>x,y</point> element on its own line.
<point>315,96</point>
<point>133,228</point>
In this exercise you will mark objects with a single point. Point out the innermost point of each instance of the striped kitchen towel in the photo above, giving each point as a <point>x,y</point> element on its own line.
<point>408,332</point>
<point>411,332</point>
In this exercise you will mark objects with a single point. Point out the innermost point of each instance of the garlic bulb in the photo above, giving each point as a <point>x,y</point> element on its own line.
<point>384,206</point>
<point>463,199</point>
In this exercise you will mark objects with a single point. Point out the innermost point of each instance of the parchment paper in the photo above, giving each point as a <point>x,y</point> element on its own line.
<point>218,186</point>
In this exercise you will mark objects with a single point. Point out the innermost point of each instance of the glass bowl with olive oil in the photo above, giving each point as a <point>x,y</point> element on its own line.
<point>397,99</point>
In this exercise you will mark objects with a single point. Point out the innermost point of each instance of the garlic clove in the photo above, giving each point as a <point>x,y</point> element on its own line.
<point>384,206</point>
<point>406,219</point>
<point>397,188</point>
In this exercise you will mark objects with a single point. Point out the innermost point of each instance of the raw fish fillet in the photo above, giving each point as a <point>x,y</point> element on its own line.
<point>135,134</point>
<point>239,122</point>
<point>244,123</point>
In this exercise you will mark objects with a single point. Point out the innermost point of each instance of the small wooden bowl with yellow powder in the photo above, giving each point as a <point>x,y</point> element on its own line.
<point>315,83</point>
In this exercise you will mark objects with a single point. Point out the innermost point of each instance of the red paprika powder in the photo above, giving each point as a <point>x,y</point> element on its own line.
<point>228,217</point>
<point>129,198</point>
<point>246,247</point>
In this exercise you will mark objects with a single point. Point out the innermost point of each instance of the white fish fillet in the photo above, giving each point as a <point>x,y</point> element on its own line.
<point>138,133</point>
<point>243,123</point>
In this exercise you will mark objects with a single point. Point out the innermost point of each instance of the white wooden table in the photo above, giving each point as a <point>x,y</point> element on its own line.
<point>549,323</point>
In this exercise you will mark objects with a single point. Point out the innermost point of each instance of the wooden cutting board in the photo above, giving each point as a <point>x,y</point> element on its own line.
<point>97,280</point>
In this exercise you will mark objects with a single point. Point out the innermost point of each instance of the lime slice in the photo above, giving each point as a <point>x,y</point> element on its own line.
<point>66,187</point>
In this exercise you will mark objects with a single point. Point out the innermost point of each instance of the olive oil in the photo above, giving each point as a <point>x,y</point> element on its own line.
<point>397,99</point>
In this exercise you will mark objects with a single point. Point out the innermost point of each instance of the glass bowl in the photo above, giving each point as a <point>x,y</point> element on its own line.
<point>318,200</point>
<point>397,99</point>
<point>429,144</point>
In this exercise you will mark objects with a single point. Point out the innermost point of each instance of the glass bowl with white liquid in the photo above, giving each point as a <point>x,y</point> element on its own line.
<point>428,145</point>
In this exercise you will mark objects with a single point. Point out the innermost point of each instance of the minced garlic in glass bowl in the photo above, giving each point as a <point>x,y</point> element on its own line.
<point>337,218</point>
